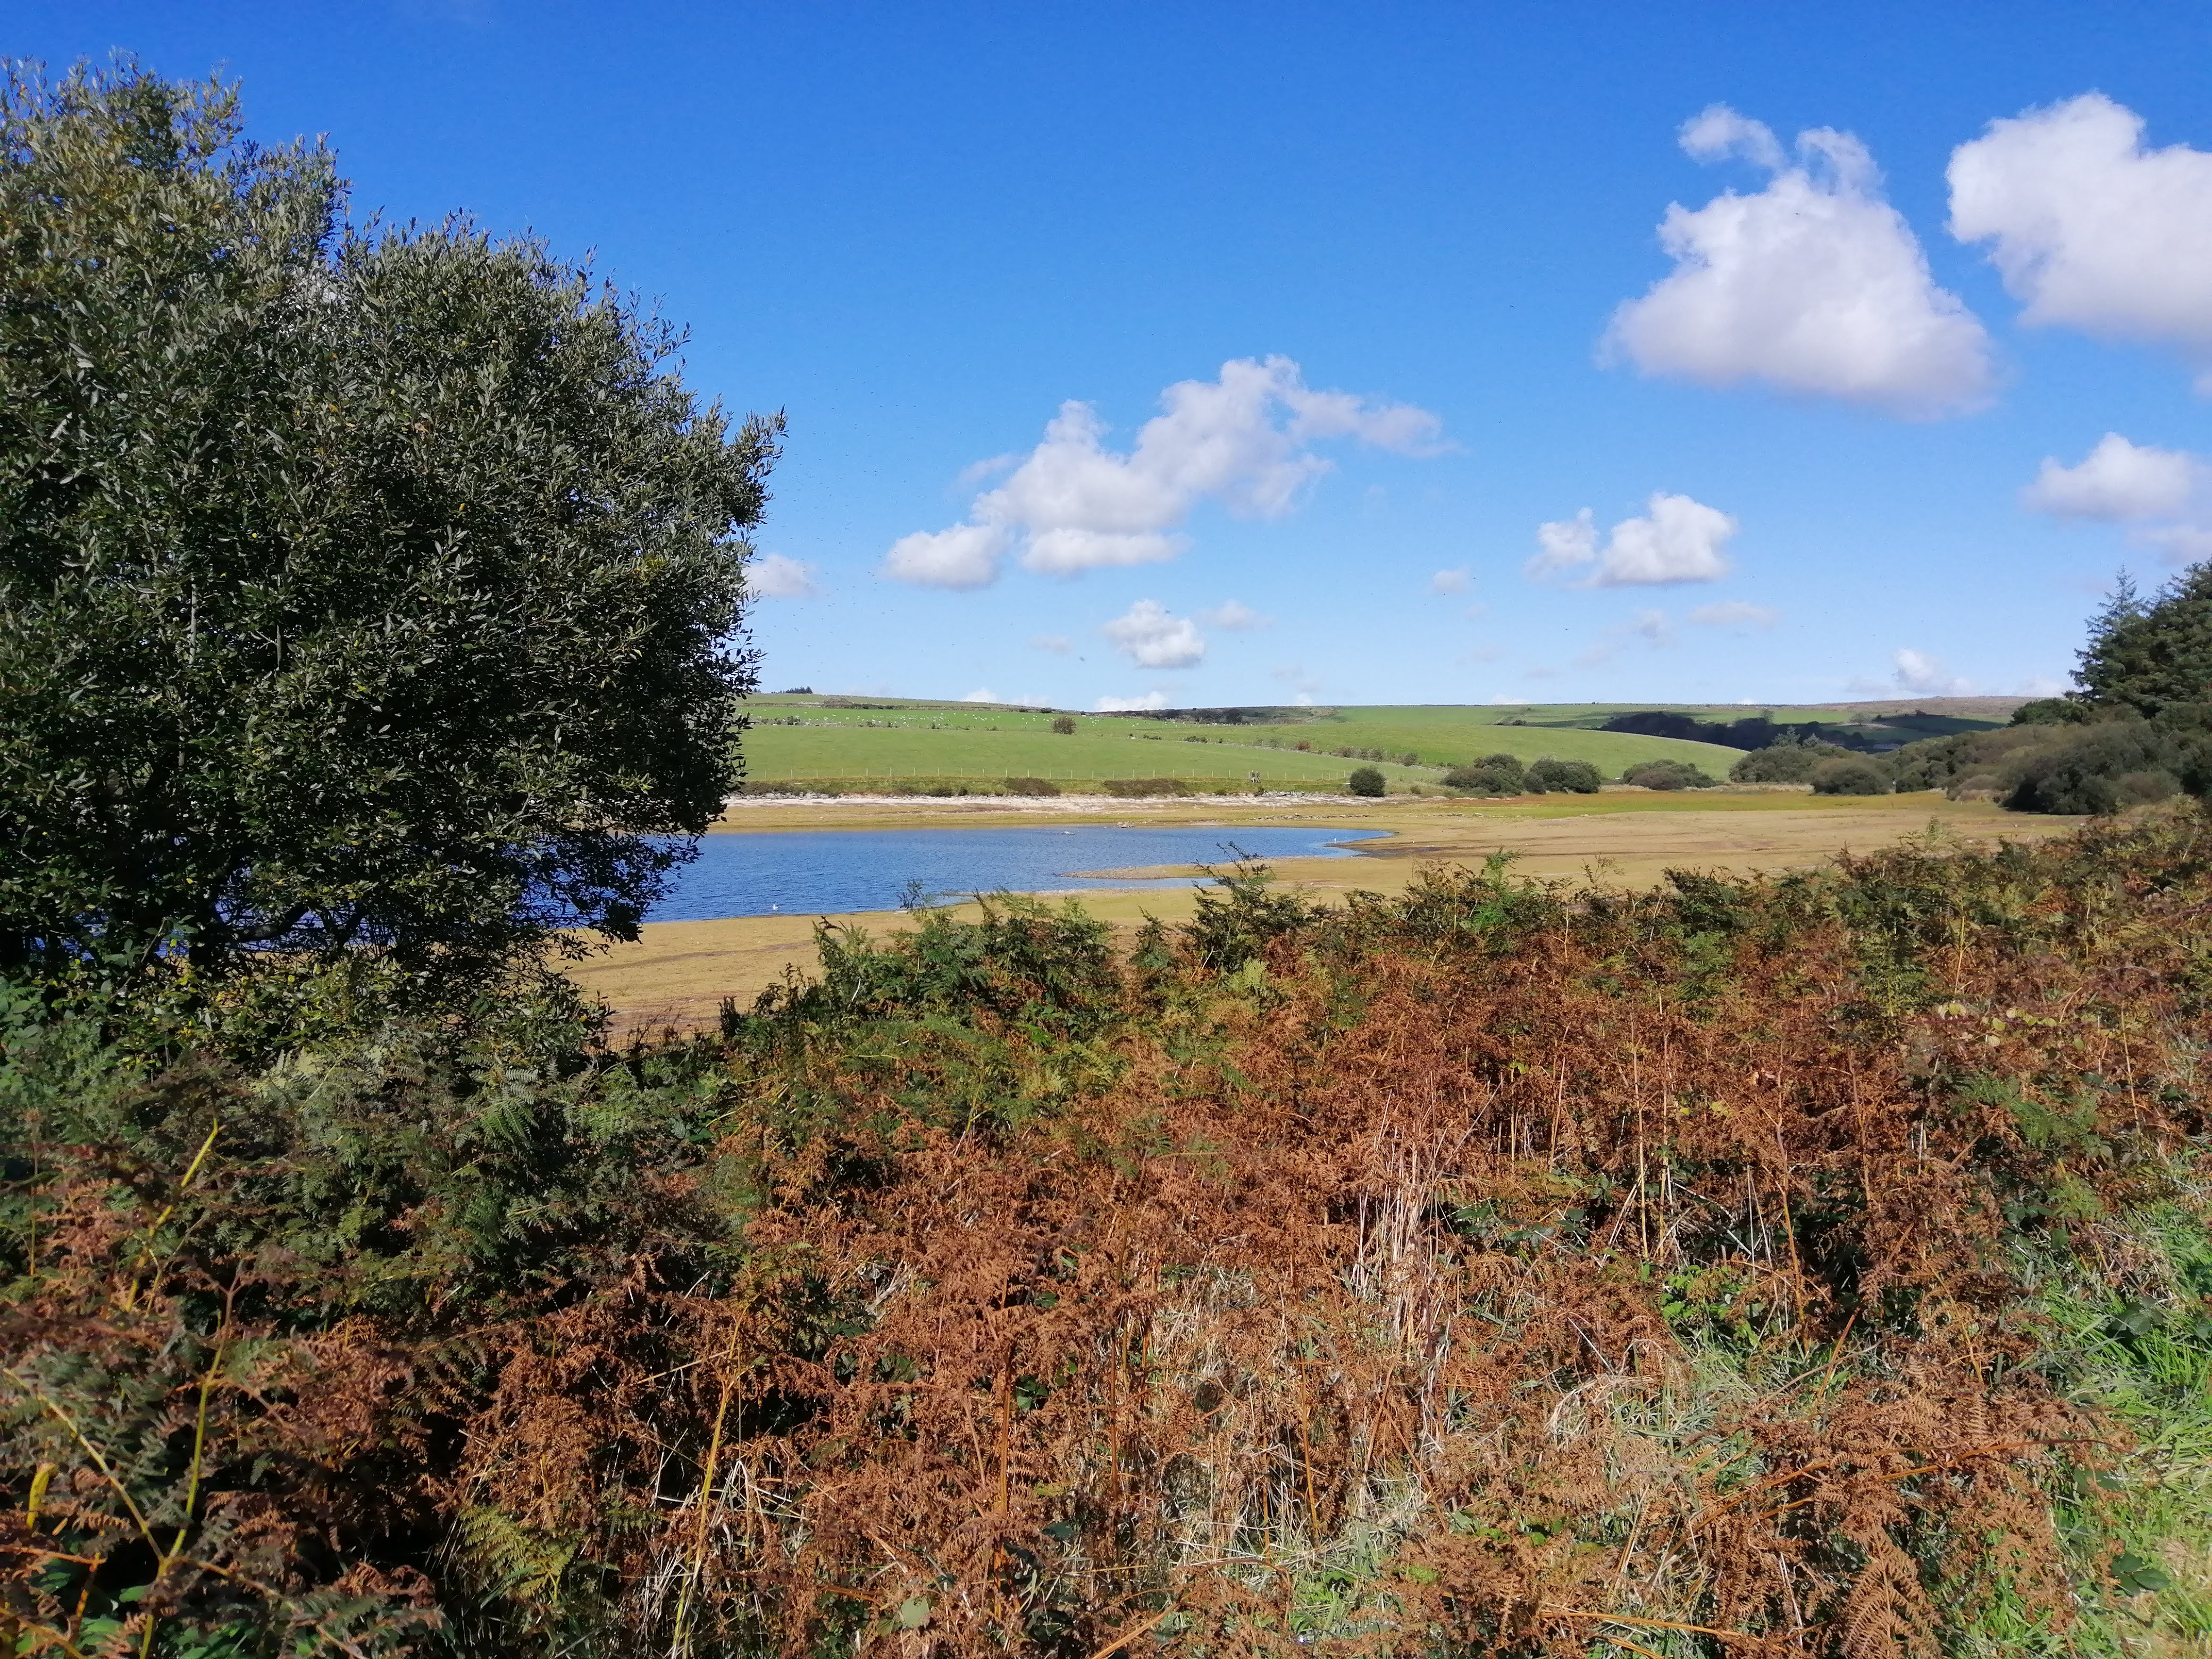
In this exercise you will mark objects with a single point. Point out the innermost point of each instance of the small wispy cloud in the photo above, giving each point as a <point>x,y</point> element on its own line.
<point>778,576</point>
<point>1916,674</point>
<point>1234,618</point>
<point>1734,613</point>
<point>1451,581</point>
<point>1149,700</point>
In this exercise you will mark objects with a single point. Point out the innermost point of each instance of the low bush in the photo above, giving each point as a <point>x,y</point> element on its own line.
<point>1566,777</point>
<point>1494,775</point>
<point>1064,725</point>
<point>1784,761</point>
<point>2101,761</point>
<point>1031,786</point>
<point>1668,775</point>
<point>1135,787</point>
<point>1364,781</point>
<point>1852,777</point>
<point>2082,769</point>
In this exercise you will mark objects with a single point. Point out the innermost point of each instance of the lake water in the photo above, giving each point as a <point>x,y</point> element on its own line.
<point>814,871</point>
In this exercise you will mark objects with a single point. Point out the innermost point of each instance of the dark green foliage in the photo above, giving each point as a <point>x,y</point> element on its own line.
<point>1566,777</point>
<point>1852,776</point>
<point>1364,781</point>
<point>2102,767</point>
<point>1493,774</point>
<point>1751,731</point>
<point>1786,760</point>
<point>1240,915</point>
<point>1023,960</point>
<point>1980,762</point>
<point>2137,733</point>
<point>1064,725</point>
<point>1031,786</point>
<point>1668,775</point>
<point>356,591</point>
<point>2145,654</point>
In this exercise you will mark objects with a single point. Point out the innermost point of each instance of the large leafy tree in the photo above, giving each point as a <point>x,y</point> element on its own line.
<point>359,590</point>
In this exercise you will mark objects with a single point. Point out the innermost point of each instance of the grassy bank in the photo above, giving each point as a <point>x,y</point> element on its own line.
<point>1804,1265</point>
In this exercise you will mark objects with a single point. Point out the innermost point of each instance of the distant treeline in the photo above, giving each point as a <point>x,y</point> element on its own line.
<point>1753,731</point>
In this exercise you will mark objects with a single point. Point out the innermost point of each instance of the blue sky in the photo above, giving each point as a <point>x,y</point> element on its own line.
<point>1821,424</point>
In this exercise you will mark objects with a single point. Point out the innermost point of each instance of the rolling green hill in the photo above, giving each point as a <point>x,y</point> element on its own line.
<point>854,743</point>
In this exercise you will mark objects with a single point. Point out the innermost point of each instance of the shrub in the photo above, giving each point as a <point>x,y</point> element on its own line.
<point>1566,777</point>
<point>1364,781</point>
<point>1946,763</point>
<point>1064,724</point>
<point>1787,761</point>
<point>1668,775</point>
<point>1132,788</point>
<point>1031,786</point>
<point>2082,771</point>
<point>1493,774</point>
<point>1849,777</point>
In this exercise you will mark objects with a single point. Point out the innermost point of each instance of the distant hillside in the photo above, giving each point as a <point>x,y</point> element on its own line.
<point>887,744</point>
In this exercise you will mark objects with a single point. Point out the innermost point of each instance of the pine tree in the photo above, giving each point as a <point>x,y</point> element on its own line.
<point>2148,656</point>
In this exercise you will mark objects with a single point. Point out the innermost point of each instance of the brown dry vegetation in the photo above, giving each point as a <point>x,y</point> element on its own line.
<point>1494,1269</point>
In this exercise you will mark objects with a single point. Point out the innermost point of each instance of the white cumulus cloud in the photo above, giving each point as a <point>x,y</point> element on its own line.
<point>1680,540</point>
<point>966,556</point>
<point>981,694</point>
<point>1150,700</point>
<point>2090,229</point>
<point>1734,613</point>
<point>2134,484</point>
<point>778,576</point>
<point>1918,672</point>
<point>1456,581</point>
<point>1233,617</point>
<point>1073,504</point>
<point>1151,638</point>
<point>2117,482</point>
<point>1813,286</point>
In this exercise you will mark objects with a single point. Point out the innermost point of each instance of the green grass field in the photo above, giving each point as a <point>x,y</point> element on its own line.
<point>852,742</point>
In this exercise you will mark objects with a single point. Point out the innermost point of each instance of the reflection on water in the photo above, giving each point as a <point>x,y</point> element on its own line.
<point>814,871</point>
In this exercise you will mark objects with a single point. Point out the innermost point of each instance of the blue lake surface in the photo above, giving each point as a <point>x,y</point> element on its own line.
<point>812,871</point>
